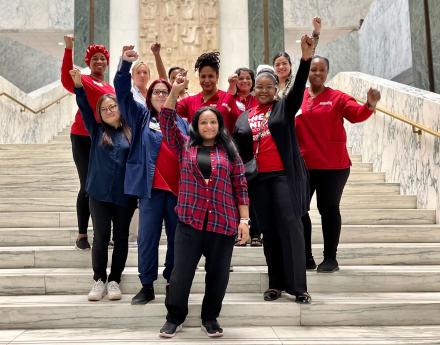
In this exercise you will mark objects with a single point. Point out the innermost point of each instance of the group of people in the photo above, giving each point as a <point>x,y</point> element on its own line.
<point>218,168</point>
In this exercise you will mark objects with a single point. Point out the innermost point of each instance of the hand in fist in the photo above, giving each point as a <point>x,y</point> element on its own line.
<point>373,96</point>
<point>68,40</point>
<point>233,80</point>
<point>155,48</point>
<point>76,77</point>
<point>316,21</point>
<point>125,48</point>
<point>306,47</point>
<point>130,55</point>
<point>179,84</point>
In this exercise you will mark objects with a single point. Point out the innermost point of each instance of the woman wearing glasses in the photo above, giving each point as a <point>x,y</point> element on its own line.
<point>152,174</point>
<point>109,206</point>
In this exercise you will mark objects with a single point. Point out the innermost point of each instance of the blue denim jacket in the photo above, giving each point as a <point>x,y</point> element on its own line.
<point>146,142</point>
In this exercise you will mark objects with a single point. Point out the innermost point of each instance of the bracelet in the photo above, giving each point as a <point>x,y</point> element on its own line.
<point>244,221</point>
<point>315,35</point>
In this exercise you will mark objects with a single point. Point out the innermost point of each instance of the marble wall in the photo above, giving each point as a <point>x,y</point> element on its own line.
<point>36,14</point>
<point>28,68</point>
<point>21,126</point>
<point>407,158</point>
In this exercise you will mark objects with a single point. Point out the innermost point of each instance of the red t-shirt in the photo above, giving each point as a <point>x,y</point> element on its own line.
<point>166,174</point>
<point>268,157</point>
<point>245,103</point>
<point>320,128</point>
<point>94,90</point>
<point>222,100</point>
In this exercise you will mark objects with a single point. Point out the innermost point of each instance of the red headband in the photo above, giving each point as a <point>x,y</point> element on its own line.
<point>93,49</point>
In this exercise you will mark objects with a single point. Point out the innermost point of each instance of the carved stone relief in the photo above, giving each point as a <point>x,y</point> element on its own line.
<point>185,29</point>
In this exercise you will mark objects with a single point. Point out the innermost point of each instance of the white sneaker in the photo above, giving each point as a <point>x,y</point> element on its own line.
<point>97,292</point>
<point>113,291</point>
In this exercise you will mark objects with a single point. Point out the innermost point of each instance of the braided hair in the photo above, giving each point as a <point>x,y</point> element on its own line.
<point>210,59</point>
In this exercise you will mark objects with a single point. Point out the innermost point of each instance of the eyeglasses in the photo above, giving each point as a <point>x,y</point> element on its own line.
<point>111,108</point>
<point>158,92</point>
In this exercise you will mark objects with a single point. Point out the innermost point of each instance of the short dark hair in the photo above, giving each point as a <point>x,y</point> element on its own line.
<point>248,70</point>
<point>327,62</point>
<point>172,69</point>
<point>210,59</point>
<point>223,137</point>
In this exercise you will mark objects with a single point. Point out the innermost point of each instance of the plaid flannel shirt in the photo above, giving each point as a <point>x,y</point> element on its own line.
<point>220,197</point>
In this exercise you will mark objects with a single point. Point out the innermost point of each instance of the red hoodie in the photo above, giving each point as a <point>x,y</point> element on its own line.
<point>320,128</point>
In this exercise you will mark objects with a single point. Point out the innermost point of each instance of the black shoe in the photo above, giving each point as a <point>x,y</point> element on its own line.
<point>271,294</point>
<point>328,266</point>
<point>304,298</point>
<point>82,244</point>
<point>310,263</point>
<point>169,330</point>
<point>144,296</point>
<point>231,268</point>
<point>212,329</point>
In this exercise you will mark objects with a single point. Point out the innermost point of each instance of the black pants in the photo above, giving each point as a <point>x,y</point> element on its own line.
<point>103,215</point>
<point>283,237</point>
<point>81,152</point>
<point>189,246</point>
<point>329,185</point>
<point>255,229</point>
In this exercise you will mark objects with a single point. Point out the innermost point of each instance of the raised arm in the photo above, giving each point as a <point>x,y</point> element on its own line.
<point>155,49</point>
<point>83,103</point>
<point>167,118</point>
<point>227,105</point>
<point>131,110</point>
<point>317,24</point>
<point>355,112</point>
<point>295,95</point>
<point>67,65</point>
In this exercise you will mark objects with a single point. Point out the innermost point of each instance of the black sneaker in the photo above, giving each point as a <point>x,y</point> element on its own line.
<point>169,330</point>
<point>144,296</point>
<point>212,329</point>
<point>328,266</point>
<point>82,244</point>
<point>310,263</point>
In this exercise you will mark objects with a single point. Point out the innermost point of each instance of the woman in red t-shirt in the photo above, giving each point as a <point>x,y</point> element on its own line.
<point>322,140</point>
<point>97,58</point>
<point>208,66</point>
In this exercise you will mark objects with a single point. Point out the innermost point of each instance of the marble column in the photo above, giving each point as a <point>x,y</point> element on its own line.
<point>434,15</point>
<point>101,32</point>
<point>256,31</point>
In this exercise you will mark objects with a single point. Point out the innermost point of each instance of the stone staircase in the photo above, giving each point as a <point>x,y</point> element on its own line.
<point>387,291</point>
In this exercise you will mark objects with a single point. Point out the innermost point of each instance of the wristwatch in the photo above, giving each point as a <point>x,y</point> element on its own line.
<point>244,221</point>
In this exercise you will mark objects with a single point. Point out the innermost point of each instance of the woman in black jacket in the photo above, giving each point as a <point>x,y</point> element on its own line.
<point>267,132</point>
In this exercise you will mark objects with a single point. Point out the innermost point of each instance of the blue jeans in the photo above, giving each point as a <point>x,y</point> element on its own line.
<point>152,212</point>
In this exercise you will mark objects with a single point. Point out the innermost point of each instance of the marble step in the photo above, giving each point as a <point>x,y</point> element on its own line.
<point>69,204</point>
<point>250,279</point>
<point>350,234</point>
<point>254,335</point>
<point>349,216</point>
<point>352,254</point>
<point>71,190</point>
<point>240,309</point>
<point>35,161</point>
<point>35,148</point>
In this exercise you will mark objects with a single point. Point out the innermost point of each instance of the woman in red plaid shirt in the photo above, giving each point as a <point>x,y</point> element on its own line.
<point>212,209</point>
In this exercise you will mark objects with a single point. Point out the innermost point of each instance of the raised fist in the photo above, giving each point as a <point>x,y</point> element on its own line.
<point>233,80</point>
<point>76,77</point>
<point>316,22</point>
<point>68,40</point>
<point>155,48</point>
<point>125,48</point>
<point>373,96</point>
<point>130,55</point>
<point>306,47</point>
<point>179,84</point>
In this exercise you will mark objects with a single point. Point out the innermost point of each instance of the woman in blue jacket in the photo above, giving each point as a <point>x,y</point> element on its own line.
<point>105,186</point>
<point>152,175</point>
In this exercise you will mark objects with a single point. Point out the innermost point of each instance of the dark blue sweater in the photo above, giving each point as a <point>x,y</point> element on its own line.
<point>106,174</point>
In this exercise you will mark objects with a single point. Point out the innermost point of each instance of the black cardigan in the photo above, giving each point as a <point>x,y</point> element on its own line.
<point>282,128</point>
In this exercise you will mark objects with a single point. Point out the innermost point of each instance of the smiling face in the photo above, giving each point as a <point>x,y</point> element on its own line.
<point>208,126</point>
<point>318,72</point>
<point>98,63</point>
<point>244,83</point>
<point>141,76</point>
<point>265,89</point>
<point>282,67</point>
<point>208,78</point>
<point>159,96</point>
<point>109,112</point>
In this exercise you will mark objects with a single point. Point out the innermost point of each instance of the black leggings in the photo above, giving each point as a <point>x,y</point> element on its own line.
<point>329,185</point>
<point>81,152</point>
<point>283,236</point>
<point>254,230</point>
<point>104,215</point>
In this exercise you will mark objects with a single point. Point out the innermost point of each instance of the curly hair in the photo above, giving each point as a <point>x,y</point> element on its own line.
<point>210,59</point>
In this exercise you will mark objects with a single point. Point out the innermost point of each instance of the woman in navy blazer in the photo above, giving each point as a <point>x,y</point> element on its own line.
<point>152,175</point>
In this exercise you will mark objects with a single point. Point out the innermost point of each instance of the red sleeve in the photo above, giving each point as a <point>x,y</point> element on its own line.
<point>67,65</point>
<point>182,108</point>
<point>353,111</point>
<point>228,107</point>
